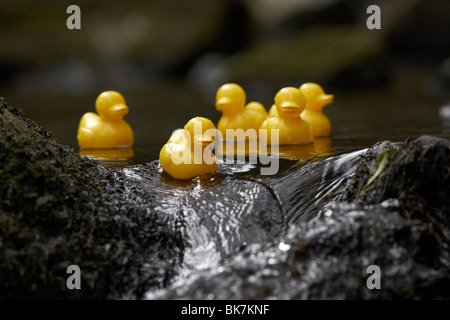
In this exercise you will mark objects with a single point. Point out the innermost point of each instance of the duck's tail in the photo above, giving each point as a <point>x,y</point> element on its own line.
<point>257,108</point>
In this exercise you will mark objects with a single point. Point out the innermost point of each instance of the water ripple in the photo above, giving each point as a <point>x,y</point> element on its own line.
<point>235,207</point>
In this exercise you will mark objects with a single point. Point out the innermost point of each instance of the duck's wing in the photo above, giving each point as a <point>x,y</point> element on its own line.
<point>177,137</point>
<point>273,112</point>
<point>89,121</point>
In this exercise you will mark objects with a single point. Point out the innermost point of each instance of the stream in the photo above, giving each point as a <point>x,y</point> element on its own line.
<point>237,206</point>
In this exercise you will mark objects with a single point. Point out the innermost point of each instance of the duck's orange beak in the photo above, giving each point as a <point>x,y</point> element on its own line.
<point>290,106</point>
<point>326,99</point>
<point>222,103</point>
<point>118,109</point>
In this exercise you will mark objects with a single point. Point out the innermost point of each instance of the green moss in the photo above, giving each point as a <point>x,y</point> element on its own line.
<point>57,209</point>
<point>382,162</point>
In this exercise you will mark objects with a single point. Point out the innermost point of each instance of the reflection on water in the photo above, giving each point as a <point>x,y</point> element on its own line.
<point>323,147</point>
<point>319,149</point>
<point>112,158</point>
<point>226,150</point>
<point>244,155</point>
<point>359,119</point>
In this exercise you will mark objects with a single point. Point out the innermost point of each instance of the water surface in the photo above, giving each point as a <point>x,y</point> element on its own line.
<point>359,118</point>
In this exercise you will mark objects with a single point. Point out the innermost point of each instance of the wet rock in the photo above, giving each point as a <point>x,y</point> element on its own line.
<point>57,209</point>
<point>400,225</point>
<point>328,259</point>
<point>417,174</point>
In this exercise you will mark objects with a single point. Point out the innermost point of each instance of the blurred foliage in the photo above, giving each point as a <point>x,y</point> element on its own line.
<point>35,31</point>
<point>132,42</point>
<point>311,54</point>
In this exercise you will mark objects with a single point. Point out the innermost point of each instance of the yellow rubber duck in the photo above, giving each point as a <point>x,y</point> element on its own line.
<point>316,100</point>
<point>230,100</point>
<point>292,129</point>
<point>186,154</point>
<point>108,129</point>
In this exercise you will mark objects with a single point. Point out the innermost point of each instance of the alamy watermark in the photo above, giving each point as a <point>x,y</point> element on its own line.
<point>374,280</point>
<point>374,20</point>
<point>74,20</point>
<point>73,281</point>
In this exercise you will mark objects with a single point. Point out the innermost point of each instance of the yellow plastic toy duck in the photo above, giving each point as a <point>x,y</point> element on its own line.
<point>230,100</point>
<point>289,103</point>
<point>108,129</point>
<point>316,100</point>
<point>186,154</point>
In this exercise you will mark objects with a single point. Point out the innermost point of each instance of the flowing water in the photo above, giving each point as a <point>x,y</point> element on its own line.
<point>237,206</point>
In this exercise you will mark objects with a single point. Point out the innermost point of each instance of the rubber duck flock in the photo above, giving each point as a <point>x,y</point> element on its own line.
<point>297,116</point>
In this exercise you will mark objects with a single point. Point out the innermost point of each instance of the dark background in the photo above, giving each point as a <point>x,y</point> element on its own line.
<point>169,57</point>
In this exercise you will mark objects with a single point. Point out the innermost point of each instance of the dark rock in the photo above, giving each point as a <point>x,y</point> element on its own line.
<point>57,209</point>
<point>327,257</point>
<point>417,174</point>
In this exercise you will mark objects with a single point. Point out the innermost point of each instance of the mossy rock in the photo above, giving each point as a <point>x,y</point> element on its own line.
<point>58,209</point>
<point>327,257</point>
